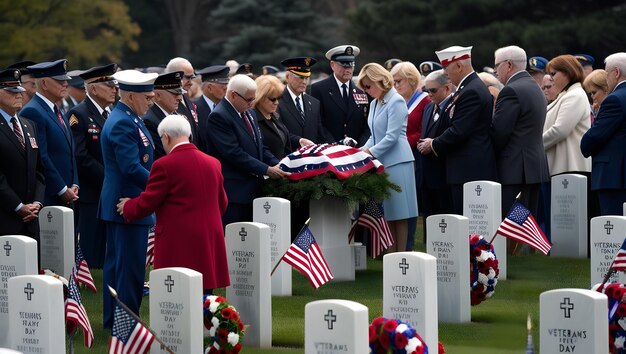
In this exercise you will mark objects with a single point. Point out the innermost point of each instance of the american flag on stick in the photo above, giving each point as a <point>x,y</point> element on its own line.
<point>83,274</point>
<point>374,220</point>
<point>75,314</point>
<point>128,335</point>
<point>520,225</point>
<point>305,255</point>
<point>150,249</point>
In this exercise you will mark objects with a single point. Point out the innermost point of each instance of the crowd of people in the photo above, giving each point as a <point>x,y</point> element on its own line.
<point>194,146</point>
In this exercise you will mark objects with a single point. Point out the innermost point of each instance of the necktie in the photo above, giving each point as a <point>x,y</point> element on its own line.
<point>436,113</point>
<point>17,131</point>
<point>344,89</point>
<point>105,114</point>
<point>244,115</point>
<point>299,107</point>
<point>59,117</point>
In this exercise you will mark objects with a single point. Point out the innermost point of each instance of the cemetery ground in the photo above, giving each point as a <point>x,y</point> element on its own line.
<point>498,325</point>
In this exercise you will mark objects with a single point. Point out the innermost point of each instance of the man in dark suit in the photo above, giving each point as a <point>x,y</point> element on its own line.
<point>168,93</point>
<point>466,143</point>
<point>435,192</point>
<point>214,81</point>
<point>56,144</point>
<point>86,121</point>
<point>606,139</point>
<point>127,152</point>
<point>27,80</point>
<point>299,111</point>
<point>21,171</point>
<point>75,92</point>
<point>235,140</point>
<point>343,106</point>
<point>186,107</point>
<point>517,130</point>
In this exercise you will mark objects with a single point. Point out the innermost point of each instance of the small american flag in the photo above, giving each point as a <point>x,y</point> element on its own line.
<point>75,314</point>
<point>619,263</point>
<point>150,249</point>
<point>305,255</point>
<point>374,219</point>
<point>128,336</point>
<point>520,225</point>
<point>83,274</point>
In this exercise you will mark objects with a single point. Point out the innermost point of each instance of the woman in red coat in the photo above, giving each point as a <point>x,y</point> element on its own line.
<point>186,191</point>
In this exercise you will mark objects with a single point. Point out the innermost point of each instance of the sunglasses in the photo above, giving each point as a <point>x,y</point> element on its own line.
<point>367,87</point>
<point>546,87</point>
<point>431,90</point>
<point>191,76</point>
<point>248,100</point>
<point>273,99</point>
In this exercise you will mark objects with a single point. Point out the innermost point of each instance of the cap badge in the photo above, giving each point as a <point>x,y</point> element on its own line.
<point>307,61</point>
<point>349,51</point>
<point>16,74</point>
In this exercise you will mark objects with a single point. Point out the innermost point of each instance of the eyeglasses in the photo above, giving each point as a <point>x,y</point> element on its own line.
<point>495,67</point>
<point>546,87</point>
<point>248,100</point>
<point>367,87</point>
<point>148,98</point>
<point>273,99</point>
<point>552,73</point>
<point>431,90</point>
<point>190,76</point>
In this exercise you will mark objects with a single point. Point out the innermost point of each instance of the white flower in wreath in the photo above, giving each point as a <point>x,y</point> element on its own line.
<point>215,322</point>
<point>619,342</point>
<point>492,274</point>
<point>413,344</point>
<point>482,278</point>
<point>213,306</point>
<point>212,331</point>
<point>233,338</point>
<point>401,328</point>
<point>622,323</point>
<point>483,256</point>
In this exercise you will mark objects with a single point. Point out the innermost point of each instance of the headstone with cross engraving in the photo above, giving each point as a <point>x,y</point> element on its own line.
<point>568,216</point>
<point>176,309</point>
<point>36,314</point>
<point>607,236</point>
<point>18,256</point>
<point>276,213</point>
<point>56,224</point>
<point>448,241</point>
<point>250,290</point>
<point>482,205</point>
<point>335,326</point>
<point>330,224</point>
<point>573,321</point>
<point>410,292</point>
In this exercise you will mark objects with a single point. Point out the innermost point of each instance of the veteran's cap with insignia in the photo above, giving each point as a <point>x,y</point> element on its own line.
<point>585,59</point>
<point>76,81</point>
<point>428,67</point>
<point>300,66</point>
<point>99,74</point>
<point>269,70</point>
<point>22,66</point>
<point>135,81</point>
<point>54,69</point>
<point>343,54</point>
<point>537,64</point>
<point>245,69</point>
<point>390,63</point>
<point>215,73</point>
<point>10,80</point>
<point>172,82</point>
<point>452,54</point>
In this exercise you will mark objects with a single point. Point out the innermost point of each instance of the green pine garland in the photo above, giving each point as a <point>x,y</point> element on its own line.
<point>356,189</point>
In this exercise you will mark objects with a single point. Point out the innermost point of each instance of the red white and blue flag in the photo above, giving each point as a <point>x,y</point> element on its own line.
<point>305,255</point>
<point>150,249</point>
<point>83,274</point>
<point>374,219</point>
<point>520,225</point>
<point>75,314</point>
<point>619,262</point>
<point>128,336</point>
<point>341,160</point>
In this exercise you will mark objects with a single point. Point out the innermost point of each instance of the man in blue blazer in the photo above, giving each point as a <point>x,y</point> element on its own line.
<point>605,141</point>
<point>86,121</point>
<point>466,143</point>
<point>56,144</point>
<point>235,139</point>
<point>127,152</point>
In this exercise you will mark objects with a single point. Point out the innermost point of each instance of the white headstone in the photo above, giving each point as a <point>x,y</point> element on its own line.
<point>336,326</point>
<point>18,256</point>
<point>36,314</point>
<point>248,251</point>
<point>482,205</point>
<point>276,213</point>
<point>410,292</point>
<point>624,209</point>
<point>448,241</point>
<point>176,309</point>
<point>568,216</point>
<point>360,256</point>
<point>330,224</point>
<point>9,351</point>
<point>56,224</point>
<point>573,321</point>
<point>607,236</point>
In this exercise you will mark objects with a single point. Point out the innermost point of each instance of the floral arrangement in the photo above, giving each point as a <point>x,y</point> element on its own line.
<point>617,316</point>
<point>225,329</point>
<point>395,337</point>
<point>483,269</point>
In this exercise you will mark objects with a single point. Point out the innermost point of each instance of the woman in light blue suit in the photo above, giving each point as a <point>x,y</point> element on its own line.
<point>387,121</point>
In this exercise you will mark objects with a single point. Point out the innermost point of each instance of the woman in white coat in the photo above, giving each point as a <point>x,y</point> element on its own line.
<point>388,143</point>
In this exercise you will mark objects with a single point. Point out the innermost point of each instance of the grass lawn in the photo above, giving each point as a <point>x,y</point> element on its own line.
<point>498,325</point>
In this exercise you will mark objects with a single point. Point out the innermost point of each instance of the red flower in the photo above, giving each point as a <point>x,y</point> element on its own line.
<point>234,316</point>
<point>442,350</point>
<point>241,326</point>
<point>384,340</point>
<point>400,341</point>
<point>220,299</point>
<point>227,313</point>
<point>390,325</point>
<point>237,348</point>
<point>222,335</point>
<point>213,350</point>
<point>372,334</point>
